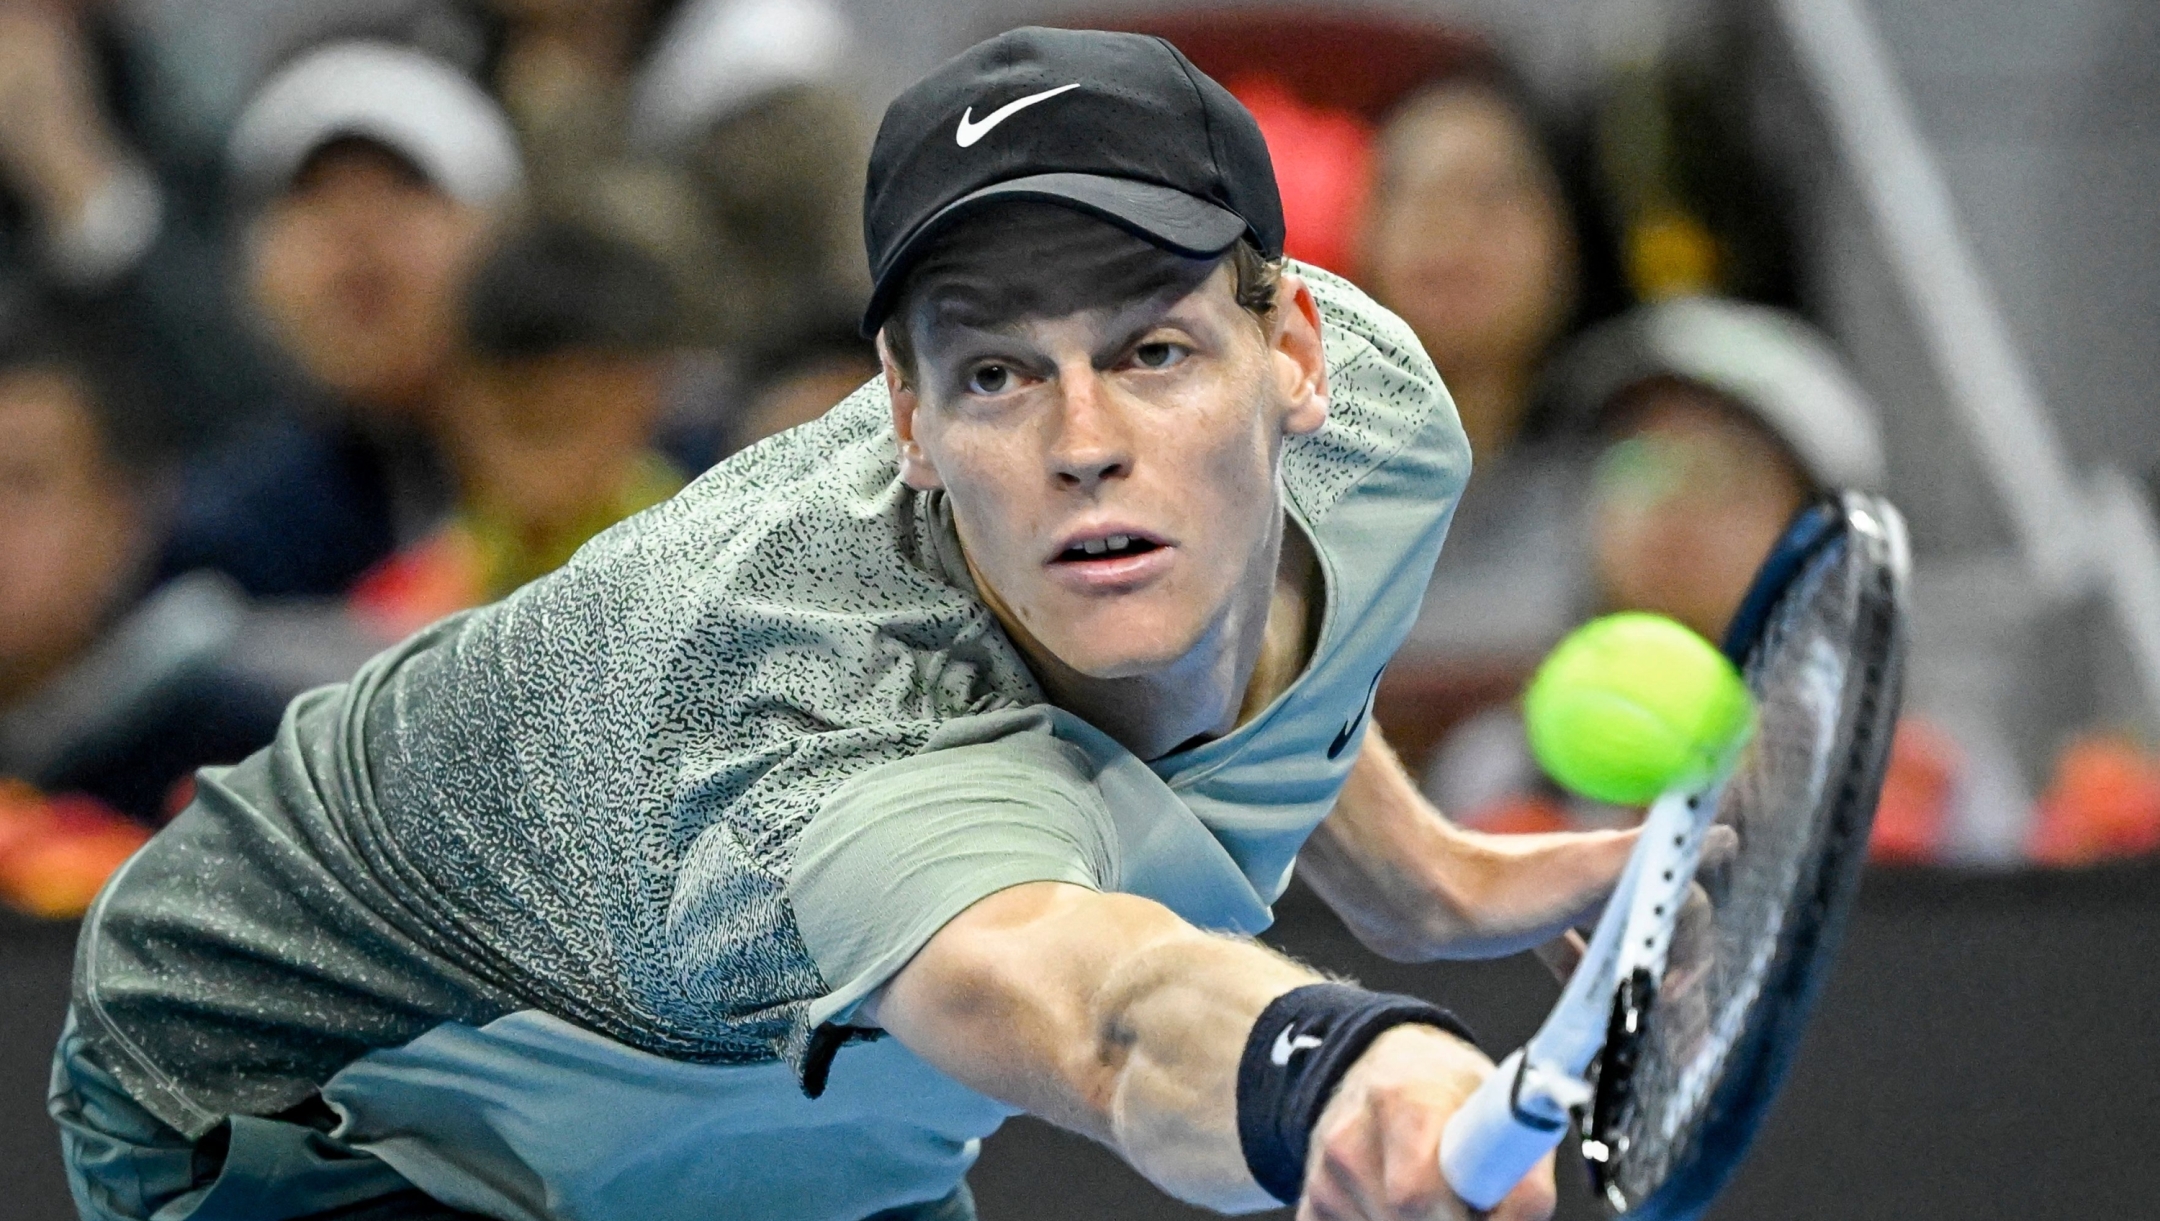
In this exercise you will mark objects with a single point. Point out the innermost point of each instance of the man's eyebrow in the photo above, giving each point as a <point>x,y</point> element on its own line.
<point>957,309</point>
<point>956,339</point>
<point>1126,336</point>
<point>1123,341</point>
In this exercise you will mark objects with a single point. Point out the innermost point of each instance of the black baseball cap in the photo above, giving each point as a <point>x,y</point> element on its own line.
<point>1121,126</point>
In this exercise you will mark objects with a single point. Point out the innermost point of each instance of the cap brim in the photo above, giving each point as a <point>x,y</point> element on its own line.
<point>1170,218</point>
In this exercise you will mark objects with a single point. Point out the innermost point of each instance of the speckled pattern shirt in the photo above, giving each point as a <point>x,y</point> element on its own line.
<point>697,792</point>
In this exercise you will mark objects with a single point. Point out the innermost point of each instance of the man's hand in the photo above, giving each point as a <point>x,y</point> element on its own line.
<point>1375,1153</point>
<point>1413,886</point>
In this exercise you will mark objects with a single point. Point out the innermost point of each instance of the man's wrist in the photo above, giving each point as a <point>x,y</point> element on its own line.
<point>1298,1052</point>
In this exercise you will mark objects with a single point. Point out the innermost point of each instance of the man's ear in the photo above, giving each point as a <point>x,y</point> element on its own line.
<point>915,467</point>
<point>1299,356</point>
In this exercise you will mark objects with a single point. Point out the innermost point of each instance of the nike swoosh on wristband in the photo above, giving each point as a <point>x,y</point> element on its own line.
<point>1288,1044</point>
<point>971,131</point>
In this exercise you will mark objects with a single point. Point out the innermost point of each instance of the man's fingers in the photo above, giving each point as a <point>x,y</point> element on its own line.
<point>1376,1150</point>
<point>1411,1185</point>
<point>1532,1200</point>
<point>1718,846</point>
<point>1563,954</point>
<point>1694,939</point>
<point>1581,868</point>
<point>1346,1159</point>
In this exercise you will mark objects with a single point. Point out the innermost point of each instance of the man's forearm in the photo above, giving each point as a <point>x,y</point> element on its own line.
<point>1380,859</point>
<point>1105,1014</point>
<point>1179,1022</point>
<point>1413,886</point>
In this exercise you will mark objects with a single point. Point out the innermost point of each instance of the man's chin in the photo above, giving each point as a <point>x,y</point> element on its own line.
<point>1111,652</point>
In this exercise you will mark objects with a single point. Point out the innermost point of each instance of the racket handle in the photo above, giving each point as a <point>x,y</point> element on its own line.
<point>1489,1145</point>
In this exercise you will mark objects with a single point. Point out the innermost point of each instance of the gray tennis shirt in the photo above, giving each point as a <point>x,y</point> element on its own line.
<point>563,905</point>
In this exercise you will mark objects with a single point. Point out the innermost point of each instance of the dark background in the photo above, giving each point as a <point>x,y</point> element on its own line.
<point>1986,1049</point>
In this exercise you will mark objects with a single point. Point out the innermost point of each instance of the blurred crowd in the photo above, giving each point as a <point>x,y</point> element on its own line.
<point>321,321</point>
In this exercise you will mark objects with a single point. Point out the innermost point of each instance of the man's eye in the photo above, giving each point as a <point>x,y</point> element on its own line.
<point>1158,355</point>
<point>989,379</point>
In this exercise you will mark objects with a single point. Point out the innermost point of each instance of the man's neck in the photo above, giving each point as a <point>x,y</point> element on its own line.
<point>1237,671</point>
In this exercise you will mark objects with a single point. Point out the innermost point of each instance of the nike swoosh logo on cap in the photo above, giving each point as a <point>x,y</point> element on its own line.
<point>1288,1044</point>
<point>971,131</point>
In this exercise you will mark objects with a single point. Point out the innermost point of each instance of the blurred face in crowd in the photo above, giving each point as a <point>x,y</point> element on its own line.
<point>1466,237</point>
<point>68,526</point>
<point>802,395</point>
<point>357,269</point>
<point>560,53</point>
<point>1688,500</point>
<point>1108,434</point>
<point>541,442</point>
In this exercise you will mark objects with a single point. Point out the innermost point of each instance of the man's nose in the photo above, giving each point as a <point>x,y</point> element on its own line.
<point>1093,442</point>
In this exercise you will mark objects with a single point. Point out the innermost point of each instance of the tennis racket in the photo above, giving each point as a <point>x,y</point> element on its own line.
<point>1673,1034</point>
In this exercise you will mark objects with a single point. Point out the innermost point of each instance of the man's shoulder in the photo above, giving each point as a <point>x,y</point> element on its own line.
<point>781,624</point>
<point>806,540</point>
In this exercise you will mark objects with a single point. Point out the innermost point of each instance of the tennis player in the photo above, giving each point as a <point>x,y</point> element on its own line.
<point>922,765</point>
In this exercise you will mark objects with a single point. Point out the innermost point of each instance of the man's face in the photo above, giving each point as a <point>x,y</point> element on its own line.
<point>1113,472</point>
<point>67,526</point>
<point>357,268</point>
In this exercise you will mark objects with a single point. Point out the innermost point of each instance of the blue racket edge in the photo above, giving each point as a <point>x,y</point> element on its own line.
<point>1763,1055</point>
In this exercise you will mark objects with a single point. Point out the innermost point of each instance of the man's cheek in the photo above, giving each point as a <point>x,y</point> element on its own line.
<point>1238,484</point>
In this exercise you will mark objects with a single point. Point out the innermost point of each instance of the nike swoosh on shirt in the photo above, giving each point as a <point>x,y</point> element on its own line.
<point>1287,1046</point>
<point>1350,726</point>
<point>971,131</point>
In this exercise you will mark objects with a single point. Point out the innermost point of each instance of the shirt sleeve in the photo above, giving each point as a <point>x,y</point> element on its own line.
<point>901,849</point>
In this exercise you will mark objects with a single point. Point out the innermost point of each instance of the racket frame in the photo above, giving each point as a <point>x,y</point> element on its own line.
<point>1522,1110</point>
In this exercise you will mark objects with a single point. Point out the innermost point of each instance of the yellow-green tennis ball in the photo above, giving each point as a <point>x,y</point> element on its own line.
<point>1632,704</point>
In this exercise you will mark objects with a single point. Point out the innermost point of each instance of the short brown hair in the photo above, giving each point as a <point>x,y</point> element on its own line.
<point>1039,235</point>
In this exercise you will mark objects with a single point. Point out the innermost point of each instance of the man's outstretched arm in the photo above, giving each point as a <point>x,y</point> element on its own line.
<point>1413,886</point>
<point>1109,1015</point>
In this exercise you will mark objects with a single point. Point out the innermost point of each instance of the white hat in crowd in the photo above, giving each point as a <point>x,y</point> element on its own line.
<point>716,57</point>
<point>424,110</point>
<point>1766,361</point>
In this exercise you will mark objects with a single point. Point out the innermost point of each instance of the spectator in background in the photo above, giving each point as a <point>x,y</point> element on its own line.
<point>1715,423</point>
<point>801,381</point>
<point>78,486</point>
<point>88,207</point>
<point>565,74</point>
<point>96,206</point>
<point>718,137</point>
<point>371,177</point>
<point>1474,234</point>
<point>107,697</point>
<point>752,98</point>
<point>550,430</point>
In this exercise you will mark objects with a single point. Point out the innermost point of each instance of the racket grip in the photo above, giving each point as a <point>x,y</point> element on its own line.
<point>1489,1145</point>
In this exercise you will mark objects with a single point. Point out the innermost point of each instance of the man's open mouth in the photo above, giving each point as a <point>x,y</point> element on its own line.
<point>1108,547</point>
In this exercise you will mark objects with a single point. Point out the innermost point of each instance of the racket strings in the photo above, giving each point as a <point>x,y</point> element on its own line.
<point>1803,790</point>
